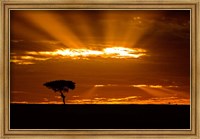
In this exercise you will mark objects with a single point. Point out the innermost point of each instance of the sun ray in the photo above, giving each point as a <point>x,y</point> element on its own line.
<point>90,93</point>
<point>58,30</point>
<point>84,28</point>
<point>155,92</point>
<point>177,92</point>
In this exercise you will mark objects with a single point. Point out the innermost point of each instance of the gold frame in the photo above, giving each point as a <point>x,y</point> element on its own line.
<point>102,133</point>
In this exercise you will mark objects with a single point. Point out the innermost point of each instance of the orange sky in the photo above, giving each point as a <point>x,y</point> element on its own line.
<point>113,56</point>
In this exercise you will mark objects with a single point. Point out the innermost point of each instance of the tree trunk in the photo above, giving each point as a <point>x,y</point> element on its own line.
<point>63,97</point>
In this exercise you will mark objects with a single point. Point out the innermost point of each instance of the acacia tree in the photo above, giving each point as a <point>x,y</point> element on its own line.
<point>61,86</point>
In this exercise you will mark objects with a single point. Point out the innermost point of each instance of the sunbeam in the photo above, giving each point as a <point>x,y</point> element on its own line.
<point>55,27</point>
<point>155,92</point>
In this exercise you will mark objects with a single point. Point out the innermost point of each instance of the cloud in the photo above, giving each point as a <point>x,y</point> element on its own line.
<point>132,100</point>
<point>26,59</point>
<point>31,57</point>
<point>128,100</point>
<point>165,100</point>
<point>122,100</point>
<point>137,85</point>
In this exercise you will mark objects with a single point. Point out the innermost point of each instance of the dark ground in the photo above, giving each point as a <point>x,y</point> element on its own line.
<point>48,116</point>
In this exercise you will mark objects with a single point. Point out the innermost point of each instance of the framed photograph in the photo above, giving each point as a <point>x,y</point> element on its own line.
<point>100,69</point>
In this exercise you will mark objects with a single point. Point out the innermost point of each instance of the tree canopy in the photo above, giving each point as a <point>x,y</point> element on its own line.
<point>60,85</point>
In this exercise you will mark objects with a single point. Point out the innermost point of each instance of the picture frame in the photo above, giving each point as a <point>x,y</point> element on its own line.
<point>7,5</point>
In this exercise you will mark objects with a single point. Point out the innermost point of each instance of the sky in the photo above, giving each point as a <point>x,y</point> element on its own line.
<point>113,56</point>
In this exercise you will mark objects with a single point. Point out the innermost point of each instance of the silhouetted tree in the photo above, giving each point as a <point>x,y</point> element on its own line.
<point>61,86</point>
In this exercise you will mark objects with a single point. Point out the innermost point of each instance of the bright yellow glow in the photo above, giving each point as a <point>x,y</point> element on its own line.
<point>172,86</point>
<point>149,86</point>
<point>78,52</point>
<point>32,58</point>
<point>21,62</point>
<point>122,52</point>
<point>155,86</point>
<point>112,52</point>
<point>99,85</point>
<point>139,85</point>
<point>27,57</point>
